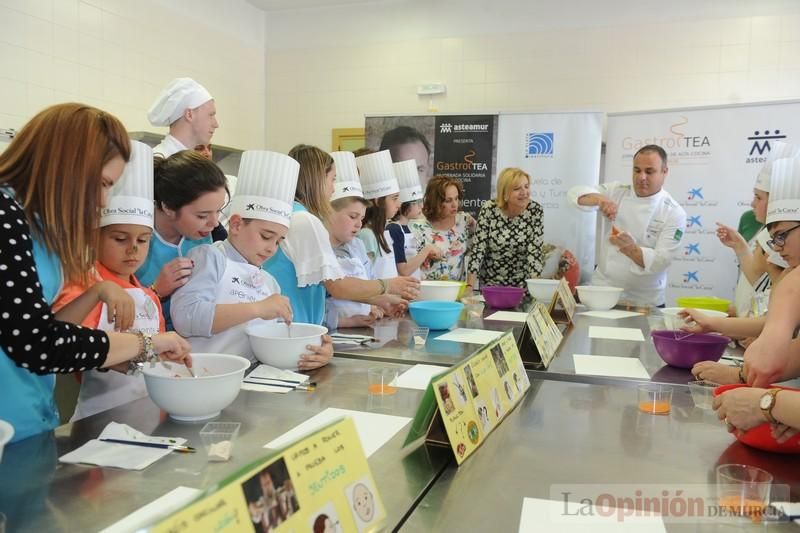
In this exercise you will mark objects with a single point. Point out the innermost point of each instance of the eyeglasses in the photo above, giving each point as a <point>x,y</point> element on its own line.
<point>779,239</point>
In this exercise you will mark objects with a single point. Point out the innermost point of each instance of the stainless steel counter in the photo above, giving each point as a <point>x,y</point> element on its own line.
<point>38,494</point>
<point>571,433</point>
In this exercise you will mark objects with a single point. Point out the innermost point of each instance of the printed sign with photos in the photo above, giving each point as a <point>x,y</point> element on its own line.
<point>461,407</point>
<point>563,305</point>
<point>540,338</point>
<point>319,483</point>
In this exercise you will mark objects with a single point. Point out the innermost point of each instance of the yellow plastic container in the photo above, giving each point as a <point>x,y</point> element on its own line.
<point>704,302</point>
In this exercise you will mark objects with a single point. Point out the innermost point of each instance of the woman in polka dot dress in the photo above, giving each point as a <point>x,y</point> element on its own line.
<point>54,179</point>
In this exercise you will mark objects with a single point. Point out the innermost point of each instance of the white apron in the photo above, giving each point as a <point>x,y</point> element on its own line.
<point>748,300</point>
<point>410,247</point>
<point>241,283</point>
<point>352,267</point>
<point>105,390</point>
<point>384,266</point>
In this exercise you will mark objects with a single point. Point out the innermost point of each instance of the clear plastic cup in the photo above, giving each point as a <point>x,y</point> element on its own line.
<point>218,439</point>
<point>381,380</point>
<point>743,490</point>
<point>419,336</point>
<point>702,393</point>
<point>655,399</point>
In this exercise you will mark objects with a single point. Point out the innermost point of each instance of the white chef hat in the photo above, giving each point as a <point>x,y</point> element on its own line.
<point>408,179</point>
<point>784,196</point>
<point>778,150</point>
<point>130,200</point>
<point>265,186</point>
<point>347,183</point>
<point>377,175</point>
<point>181,94</point>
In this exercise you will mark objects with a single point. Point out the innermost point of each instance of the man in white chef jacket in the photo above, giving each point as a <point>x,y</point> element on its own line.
<point>641,229</point>
<point>190,112</point>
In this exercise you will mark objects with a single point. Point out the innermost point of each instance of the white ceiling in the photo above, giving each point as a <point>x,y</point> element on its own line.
<point>283,5</point>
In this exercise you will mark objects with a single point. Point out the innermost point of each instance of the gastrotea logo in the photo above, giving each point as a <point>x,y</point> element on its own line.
<point>445,127</point>
<point>539,144</point>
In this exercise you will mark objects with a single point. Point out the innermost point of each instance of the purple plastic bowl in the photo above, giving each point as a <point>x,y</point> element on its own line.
<point>503,297</point>
<point>684,352</point>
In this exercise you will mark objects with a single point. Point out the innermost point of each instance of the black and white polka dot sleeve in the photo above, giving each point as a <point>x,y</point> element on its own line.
<point>29,333</point>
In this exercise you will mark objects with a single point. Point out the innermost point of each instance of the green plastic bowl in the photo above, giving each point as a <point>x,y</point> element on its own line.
<point>704,302</point>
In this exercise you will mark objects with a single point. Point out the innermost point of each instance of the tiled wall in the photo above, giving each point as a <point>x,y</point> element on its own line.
<point>118,54</point>
<point>328,68</point>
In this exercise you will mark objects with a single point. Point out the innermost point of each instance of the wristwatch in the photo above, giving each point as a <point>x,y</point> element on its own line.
<point>767,403</point>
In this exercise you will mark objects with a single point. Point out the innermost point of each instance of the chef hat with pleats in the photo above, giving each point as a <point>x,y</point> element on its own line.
<point>181,94</point>
<point>130,200</point>
<point>377,175</point>
<point>408,179</point>
<point>778,150</point>
<point>347,182</point>
<point>265,186</point>
<point>784,196</point>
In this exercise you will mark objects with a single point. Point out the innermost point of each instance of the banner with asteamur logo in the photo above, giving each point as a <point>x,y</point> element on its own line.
<point>714,156</point>
<point>463,151</point>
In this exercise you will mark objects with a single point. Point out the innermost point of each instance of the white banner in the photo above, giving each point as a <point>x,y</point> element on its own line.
<point>559,151</point>
<point>714,156</point>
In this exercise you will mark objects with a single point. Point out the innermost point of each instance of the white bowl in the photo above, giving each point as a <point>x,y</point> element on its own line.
<point>599,298</point>
<point>218,381</point>
<point>542,289</point>
<point>6,434</point>
<point>273,346</point>
<point>439,290</point>
<point>673,321</point>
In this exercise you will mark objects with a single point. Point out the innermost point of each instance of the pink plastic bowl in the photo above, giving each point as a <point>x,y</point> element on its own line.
<point>503,297</point>
<point>680,349</point>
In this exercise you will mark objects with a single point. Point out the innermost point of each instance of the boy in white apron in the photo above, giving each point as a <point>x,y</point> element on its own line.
<point>118,302</point>
<point>380,187</point>
<point>228,288</point>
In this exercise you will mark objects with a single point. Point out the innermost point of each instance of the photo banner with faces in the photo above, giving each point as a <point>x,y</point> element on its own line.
<point>714,156</point>
<point>559,151</point>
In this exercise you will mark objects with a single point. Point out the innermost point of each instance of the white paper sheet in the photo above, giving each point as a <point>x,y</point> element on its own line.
<point>601,365</point>
<point>112,454</point>
<point>417,377</point>
<point>508,316</point>
<point>154,511</point>
<point>550,515</point>
<point>265,378</point>
<point>612,314</point>
<point>620,334</point>
<point>472,336</point>
<point>374,429</point>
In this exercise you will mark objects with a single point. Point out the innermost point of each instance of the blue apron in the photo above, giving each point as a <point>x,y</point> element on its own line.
<point>308,303</point>
<point>161,253</point>
<point>28,402</point>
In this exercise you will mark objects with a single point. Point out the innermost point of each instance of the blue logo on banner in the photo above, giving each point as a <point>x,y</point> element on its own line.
<point>690,276</point>
<point>539,144</point>
<point>692,249</point>
<point>694,221</point>
<point>696,193</point>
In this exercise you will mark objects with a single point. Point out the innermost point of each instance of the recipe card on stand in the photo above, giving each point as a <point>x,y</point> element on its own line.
<point>321,479</point>
<point>540,338</point>
<point>464,405</point>
<point>563,305</point>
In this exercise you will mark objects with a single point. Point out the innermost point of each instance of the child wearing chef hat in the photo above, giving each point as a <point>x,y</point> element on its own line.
<point>117,301</point>
<point>228,288</point>
<point>190,112</point>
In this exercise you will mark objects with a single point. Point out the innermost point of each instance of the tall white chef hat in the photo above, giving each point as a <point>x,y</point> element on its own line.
<point>181,94</point>
<point>377,175</point>
<point>408,179</point>
<point>784,196</point>
<point>130,200</point>
<point>778,150</point>
<point>347,182</point>
<point>265,186</point>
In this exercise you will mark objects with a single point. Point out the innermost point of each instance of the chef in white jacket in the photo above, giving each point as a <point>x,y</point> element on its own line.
<point>190,112</point>
<point>641,229</point>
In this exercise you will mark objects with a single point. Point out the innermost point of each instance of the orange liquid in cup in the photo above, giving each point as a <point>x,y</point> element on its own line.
<point>743,506</point>
<point>655,408</point>
<point>377,388</point>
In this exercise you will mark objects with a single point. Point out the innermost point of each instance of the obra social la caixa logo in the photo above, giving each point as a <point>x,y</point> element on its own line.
<point>694,226</point>
<point>539,144</point>
<point>691,279</point>
<point>695,197</point>
<point>761,146</point>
